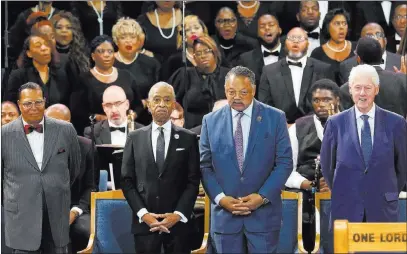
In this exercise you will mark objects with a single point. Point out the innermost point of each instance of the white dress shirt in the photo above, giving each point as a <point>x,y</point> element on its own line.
<point>295,179</point>
<point>155,132</point>
<point>384,56</point>
<point>36,141</point>
<point>313,43</point>
<point>398,38</point>
<point>296,76</point>
<point>359,122</point>
<point>118,137</point>
<point>270,59</point>
<point>386,6</point>
<point>246,121</point>
<point>323,9</point>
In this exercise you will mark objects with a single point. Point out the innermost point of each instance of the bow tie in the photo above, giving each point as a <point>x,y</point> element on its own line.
<point>28,128</point>
<point>313,35</point>
<point>382,62</point>
<point>122,129</point>
<point>298,64</point>
<point>274,53</point>
<point>397,42</point>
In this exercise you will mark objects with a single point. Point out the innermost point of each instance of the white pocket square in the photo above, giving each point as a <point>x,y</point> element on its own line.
<point>180,149</point>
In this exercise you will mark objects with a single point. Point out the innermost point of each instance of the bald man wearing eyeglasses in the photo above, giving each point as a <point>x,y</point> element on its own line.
<point>113,130</point>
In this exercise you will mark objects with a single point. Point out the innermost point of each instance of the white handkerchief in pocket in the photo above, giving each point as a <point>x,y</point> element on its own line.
<point>180,149</point>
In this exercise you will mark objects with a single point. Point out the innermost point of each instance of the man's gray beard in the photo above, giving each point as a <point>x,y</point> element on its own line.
<point>296,56</point>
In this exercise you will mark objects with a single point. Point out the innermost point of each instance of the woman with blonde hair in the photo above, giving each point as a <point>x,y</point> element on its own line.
<point>194,28</point>
<point>197,88</point>
<point>129,38</point>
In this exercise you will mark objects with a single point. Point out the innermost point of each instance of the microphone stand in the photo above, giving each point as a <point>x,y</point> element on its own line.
<point>92,119</point>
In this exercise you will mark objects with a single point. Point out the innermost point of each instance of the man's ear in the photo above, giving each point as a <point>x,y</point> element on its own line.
<point>358,59</point>
<point>28,53</point>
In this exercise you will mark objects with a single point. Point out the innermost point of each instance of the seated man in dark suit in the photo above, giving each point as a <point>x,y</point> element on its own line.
<point>86,182</point>
<point>9,112</point>
<point>114,130</point>
<point>392,94</point>
<point>306,138</point>
<point>269,49</point>
<point>388,62</point>
<point>285,84</point>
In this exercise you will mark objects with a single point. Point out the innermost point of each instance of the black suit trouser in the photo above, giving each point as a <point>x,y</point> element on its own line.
<point>79,232</point>
<point>153,243</point>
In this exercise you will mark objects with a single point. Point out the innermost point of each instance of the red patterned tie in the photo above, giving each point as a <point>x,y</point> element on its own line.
<point>28,128</point>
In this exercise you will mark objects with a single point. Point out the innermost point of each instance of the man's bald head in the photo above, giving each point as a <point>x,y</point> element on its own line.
<point>371,25</point>
<point>375,31</point>
<point>115,92</point>
<point>59,111</point>
<point>219,104</point>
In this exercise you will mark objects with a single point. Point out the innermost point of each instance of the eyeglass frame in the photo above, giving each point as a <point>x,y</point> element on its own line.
<point>231,22</point>
<point>203,52</point>
<point>378,35</point>
<point>299,39</point>
<point>30,104</point>
<point>110,105</point>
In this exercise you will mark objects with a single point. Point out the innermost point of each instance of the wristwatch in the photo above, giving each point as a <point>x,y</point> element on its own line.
<point>265,200</point>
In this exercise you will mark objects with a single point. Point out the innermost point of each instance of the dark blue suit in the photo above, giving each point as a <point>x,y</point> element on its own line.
<point>267,165</point>
<point>358,189</point>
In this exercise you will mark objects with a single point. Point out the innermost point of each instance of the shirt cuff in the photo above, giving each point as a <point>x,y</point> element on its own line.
<point>77,209</point>
<point>219,197</point>
<point>295,180</point>
<point>141,213</point>
<point>183,218</point>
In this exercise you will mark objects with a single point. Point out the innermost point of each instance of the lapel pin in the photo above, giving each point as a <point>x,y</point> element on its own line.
<point>176,136</point>
<point>259,119</point>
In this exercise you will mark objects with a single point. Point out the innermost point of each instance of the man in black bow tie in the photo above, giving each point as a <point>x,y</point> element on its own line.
<point>39,166</point>
<point>114,129</point>
<point>269,49</point>
<point>308,15</point>
<point>285,84</point>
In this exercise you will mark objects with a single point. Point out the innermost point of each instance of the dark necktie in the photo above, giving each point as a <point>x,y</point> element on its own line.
<point>382,62</point>
<point>33,127</point>
<point>122,129</point>
<point>160,150</point>
<point>298,64</point>
<point>274,53</point>
<point>238,138</point>
<point>313,35</point>
<point>366,139</point>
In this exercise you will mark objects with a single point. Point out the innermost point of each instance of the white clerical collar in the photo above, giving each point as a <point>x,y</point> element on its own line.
<point>371,112</point>
<point>25,123</point>
<point>276,50</point>
<point>124,124</point>
<point>166,126</point>
<point>248,111</point>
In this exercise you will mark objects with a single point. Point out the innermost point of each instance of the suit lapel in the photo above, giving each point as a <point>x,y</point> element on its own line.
<point>172,147</point>
<point>27,152</point>
<point>50,138</point>
<point>353,130</point>
<point>255,124</point>
<point>228,139</point>
<point>380,136</point>
<point>258,61</point>
<point>306,82</point>
<point>285,70</point>
<point>105,135</point>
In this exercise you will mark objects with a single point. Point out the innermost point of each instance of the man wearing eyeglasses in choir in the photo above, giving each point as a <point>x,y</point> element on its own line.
<point>389,60</point>
<point>114,129</point>
<point>40,163</point>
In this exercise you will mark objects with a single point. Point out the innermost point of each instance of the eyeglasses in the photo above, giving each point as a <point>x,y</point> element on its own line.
<point>242,93</point>
<point>111,104</point>
<point>102,51</point>
<point>230,22</point>
<point>399,17</point>
<point>30,104</point>
<point>340,23</point>
<point>294,38</point>
<point>377,35</point>
<point>203,52</point>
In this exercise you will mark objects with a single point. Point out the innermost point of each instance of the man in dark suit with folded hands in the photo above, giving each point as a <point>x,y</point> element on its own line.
<point>160,178</point>
<point>39,166</point>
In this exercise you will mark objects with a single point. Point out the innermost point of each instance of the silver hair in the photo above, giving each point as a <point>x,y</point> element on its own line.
<point>364,70</point>
<point>160,84</point>
<point>242,71</point>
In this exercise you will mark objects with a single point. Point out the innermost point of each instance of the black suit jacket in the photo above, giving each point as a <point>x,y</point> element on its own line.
<point>255,62</point>
<point>102,132</point>
<point>346,66</point>
<point>276,87</point>
<point>87,181</point>
<point>392,94</point>
<point>175,189</point>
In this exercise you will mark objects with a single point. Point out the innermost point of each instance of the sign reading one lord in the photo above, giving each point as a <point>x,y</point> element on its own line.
<point>355,237</point>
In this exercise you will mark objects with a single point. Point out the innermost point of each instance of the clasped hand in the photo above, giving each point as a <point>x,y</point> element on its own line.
<point>243,205</point>
<point>168,220</point>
